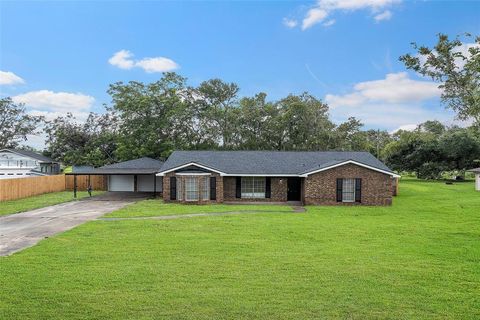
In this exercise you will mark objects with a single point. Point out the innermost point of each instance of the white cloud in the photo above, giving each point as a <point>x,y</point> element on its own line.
<point>290,23</point>
<point>405,127</point>
<point>10,78</point>
<point>314,16</point>
<point>374,5</point>
<point>385,15</point>
<point>390,103</point>
<point>123,59</point>
<point>325,8</point>
<point>395,88</point>
<point>159,64</point>
<point>55,101</point>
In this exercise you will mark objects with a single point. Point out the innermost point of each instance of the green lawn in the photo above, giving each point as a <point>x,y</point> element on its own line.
<point>40,201</point>
<point>149,208</point>
<point>419,259</point>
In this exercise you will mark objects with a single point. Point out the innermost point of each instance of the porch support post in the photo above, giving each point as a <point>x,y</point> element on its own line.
<point>154,185</point>
<point>74,185</point>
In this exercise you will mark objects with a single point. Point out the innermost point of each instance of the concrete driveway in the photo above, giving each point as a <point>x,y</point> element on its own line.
<point>22,230</point>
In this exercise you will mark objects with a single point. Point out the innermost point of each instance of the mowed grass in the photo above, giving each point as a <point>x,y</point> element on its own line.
<point>419,259</point>
<point>40,201</point>
<point>156,207</point>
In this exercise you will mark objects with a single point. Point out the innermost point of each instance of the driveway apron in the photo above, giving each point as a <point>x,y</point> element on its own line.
<point>22,230</point>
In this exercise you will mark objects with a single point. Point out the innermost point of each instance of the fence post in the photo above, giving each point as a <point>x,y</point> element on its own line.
<point>75,186</point>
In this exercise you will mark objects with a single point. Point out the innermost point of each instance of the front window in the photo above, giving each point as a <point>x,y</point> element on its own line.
<point>191,189</point>
<point>348,190</point>
<point>179,189</point>
<point>253,187</point>
<point>206,188</point>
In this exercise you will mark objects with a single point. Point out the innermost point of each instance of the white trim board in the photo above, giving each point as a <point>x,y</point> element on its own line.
<point>187,165</point>
<point>193,174</point>
<point>352,162</point>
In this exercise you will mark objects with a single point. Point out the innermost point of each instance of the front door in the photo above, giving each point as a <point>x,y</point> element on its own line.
<point>293,189</point>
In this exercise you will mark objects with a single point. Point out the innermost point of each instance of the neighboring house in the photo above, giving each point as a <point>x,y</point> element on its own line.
<point>134,175</point>
<point>477,178</point>
<point>325,178</point>
<point>21,163</point>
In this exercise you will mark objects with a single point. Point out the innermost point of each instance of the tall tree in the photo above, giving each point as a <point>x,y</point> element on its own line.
<point>461,149</point>
<point>304,123</point>
<point>377,140</point>
<point>456,67</point>
<point>349,136</point>
<point>92,142</point>
<point>146,113</point>
<point>257,124</point>
<point>218,100</point>
<point>15,123</point>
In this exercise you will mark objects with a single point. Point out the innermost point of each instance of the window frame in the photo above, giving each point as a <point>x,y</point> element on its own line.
<point>191,182</point>
<point>205,192</point>
<point>348,182</point>
<point>179,189</point>
<point>253,188</point>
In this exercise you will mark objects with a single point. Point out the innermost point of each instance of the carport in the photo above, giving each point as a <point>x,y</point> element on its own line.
<point>138,175</point>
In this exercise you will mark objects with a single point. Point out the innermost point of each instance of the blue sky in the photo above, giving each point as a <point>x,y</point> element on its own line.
<point>54,56</point>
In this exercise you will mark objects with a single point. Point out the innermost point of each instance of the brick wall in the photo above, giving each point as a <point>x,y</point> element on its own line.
<point>219,187</point>
<point>278,190</point>
<point>320,188</point>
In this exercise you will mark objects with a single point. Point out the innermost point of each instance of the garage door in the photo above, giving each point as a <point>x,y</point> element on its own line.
<point>145,183</point>
<point>120,183</point>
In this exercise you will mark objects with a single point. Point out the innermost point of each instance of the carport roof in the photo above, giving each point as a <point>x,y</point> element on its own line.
<point>137,166</point>
<point>476,170</point>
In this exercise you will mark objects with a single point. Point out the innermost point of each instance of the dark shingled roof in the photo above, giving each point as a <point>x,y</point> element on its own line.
<point>136,166</point>
<point>270,162</point>
<point>32,154</point>
<point>80,169</point>
<point>476,170</point>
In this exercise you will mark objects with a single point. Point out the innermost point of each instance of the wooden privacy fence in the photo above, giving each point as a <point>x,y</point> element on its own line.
<point>97,182</point>
<point>11,189</point>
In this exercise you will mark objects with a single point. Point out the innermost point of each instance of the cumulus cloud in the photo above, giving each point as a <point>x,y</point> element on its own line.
<point>324,9</point>
<point>405,127</point>
<point>290,23</point>
<point>158,64</point>
<point>10,78</point>
<point>385,15</point>
<point>390,103</point>
<point>123,59</point>
<point>55,101</point>
<point>314,16</point>
<point>395,88</point>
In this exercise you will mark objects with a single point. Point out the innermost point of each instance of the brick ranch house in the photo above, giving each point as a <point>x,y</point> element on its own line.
<point>318,178</point>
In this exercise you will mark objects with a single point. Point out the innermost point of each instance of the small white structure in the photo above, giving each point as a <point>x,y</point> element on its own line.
<point>477,178</point>
<point>23,163</point>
